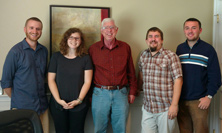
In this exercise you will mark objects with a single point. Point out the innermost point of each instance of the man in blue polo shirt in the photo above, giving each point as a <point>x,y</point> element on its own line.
<point>24,72</point>
<point>201,79</point>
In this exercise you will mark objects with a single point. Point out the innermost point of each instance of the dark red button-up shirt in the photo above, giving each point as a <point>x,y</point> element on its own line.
<point>113,67</point>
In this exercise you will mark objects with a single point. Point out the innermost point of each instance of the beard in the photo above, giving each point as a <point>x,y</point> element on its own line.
<point>31,38</point>
<point>153,49</point>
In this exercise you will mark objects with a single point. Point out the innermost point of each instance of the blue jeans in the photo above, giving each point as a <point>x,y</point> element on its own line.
<point>108,104</point>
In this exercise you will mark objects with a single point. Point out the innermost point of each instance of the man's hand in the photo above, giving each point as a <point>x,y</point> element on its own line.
<point>131,98</point>
<point>8,91</point>
<point>172,112</point>
<point>204,102</point>
<point>138,92</point>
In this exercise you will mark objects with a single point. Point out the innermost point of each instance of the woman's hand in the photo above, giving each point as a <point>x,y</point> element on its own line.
<point>73,103</point>
<point>64,104</point>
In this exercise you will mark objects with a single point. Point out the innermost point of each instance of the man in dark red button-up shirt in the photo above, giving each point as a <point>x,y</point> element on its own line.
<point>113,66</point>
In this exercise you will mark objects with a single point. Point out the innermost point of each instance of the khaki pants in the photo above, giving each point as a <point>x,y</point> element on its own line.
<point>191,118</point>
<point>158,123</point>
<point>45,121</point>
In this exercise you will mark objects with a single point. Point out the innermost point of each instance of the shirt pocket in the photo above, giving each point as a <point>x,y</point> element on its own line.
<point>161,69</point>
<point>144,65</point>
<point>97,91</point>
<point>162,65</point>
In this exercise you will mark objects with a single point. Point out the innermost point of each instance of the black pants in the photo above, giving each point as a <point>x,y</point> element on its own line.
<point>66,121</point>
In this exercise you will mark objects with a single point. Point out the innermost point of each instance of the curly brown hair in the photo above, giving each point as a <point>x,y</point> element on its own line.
<point>64,46</point>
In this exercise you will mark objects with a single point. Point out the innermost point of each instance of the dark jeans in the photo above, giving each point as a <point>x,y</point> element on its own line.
<point>191,118</point>
<point>66,121</point>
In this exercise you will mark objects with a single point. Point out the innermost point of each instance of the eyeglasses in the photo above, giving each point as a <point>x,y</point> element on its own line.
<point>109,27</point>
<point>74,38</point>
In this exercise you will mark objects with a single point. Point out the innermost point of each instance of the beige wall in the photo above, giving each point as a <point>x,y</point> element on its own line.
<point>133,17</point>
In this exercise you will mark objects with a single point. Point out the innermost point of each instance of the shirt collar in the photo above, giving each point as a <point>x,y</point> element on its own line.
<point>102,45</point>
<point>25,45</point>
<point>194,44</point>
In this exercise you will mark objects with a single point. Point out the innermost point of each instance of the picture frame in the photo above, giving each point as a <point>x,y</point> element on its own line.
<point>87,19</point>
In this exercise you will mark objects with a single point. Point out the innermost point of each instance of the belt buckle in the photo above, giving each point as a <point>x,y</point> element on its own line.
<point>109,87</point>
<point>113,87</point>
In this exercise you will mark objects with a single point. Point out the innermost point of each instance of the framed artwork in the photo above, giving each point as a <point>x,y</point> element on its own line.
<point>88,19</point>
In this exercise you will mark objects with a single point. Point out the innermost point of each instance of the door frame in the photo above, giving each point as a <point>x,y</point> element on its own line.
<point>215,111</point>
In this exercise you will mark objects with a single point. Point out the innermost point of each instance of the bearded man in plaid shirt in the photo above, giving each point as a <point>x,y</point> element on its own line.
<point>160,76</point>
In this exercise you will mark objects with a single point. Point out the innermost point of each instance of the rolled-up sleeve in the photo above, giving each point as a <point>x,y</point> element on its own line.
<point>9,70</point>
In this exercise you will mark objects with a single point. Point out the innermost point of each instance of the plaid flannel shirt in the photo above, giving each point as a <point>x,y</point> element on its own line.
<point>159,72</point>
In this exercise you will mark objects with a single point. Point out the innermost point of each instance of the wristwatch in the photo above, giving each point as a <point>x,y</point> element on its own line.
<point>209,96</point>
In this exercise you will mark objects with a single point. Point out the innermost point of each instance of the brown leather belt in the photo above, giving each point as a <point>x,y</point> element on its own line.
<point>116,87</point>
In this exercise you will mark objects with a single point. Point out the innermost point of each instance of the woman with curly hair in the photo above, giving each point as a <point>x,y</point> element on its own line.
<point>69,78</point>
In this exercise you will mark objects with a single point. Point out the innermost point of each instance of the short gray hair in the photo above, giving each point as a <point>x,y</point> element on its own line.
<point>107,20</point>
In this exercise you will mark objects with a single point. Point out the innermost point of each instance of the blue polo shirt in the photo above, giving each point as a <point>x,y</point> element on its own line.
<point>24,71</point>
